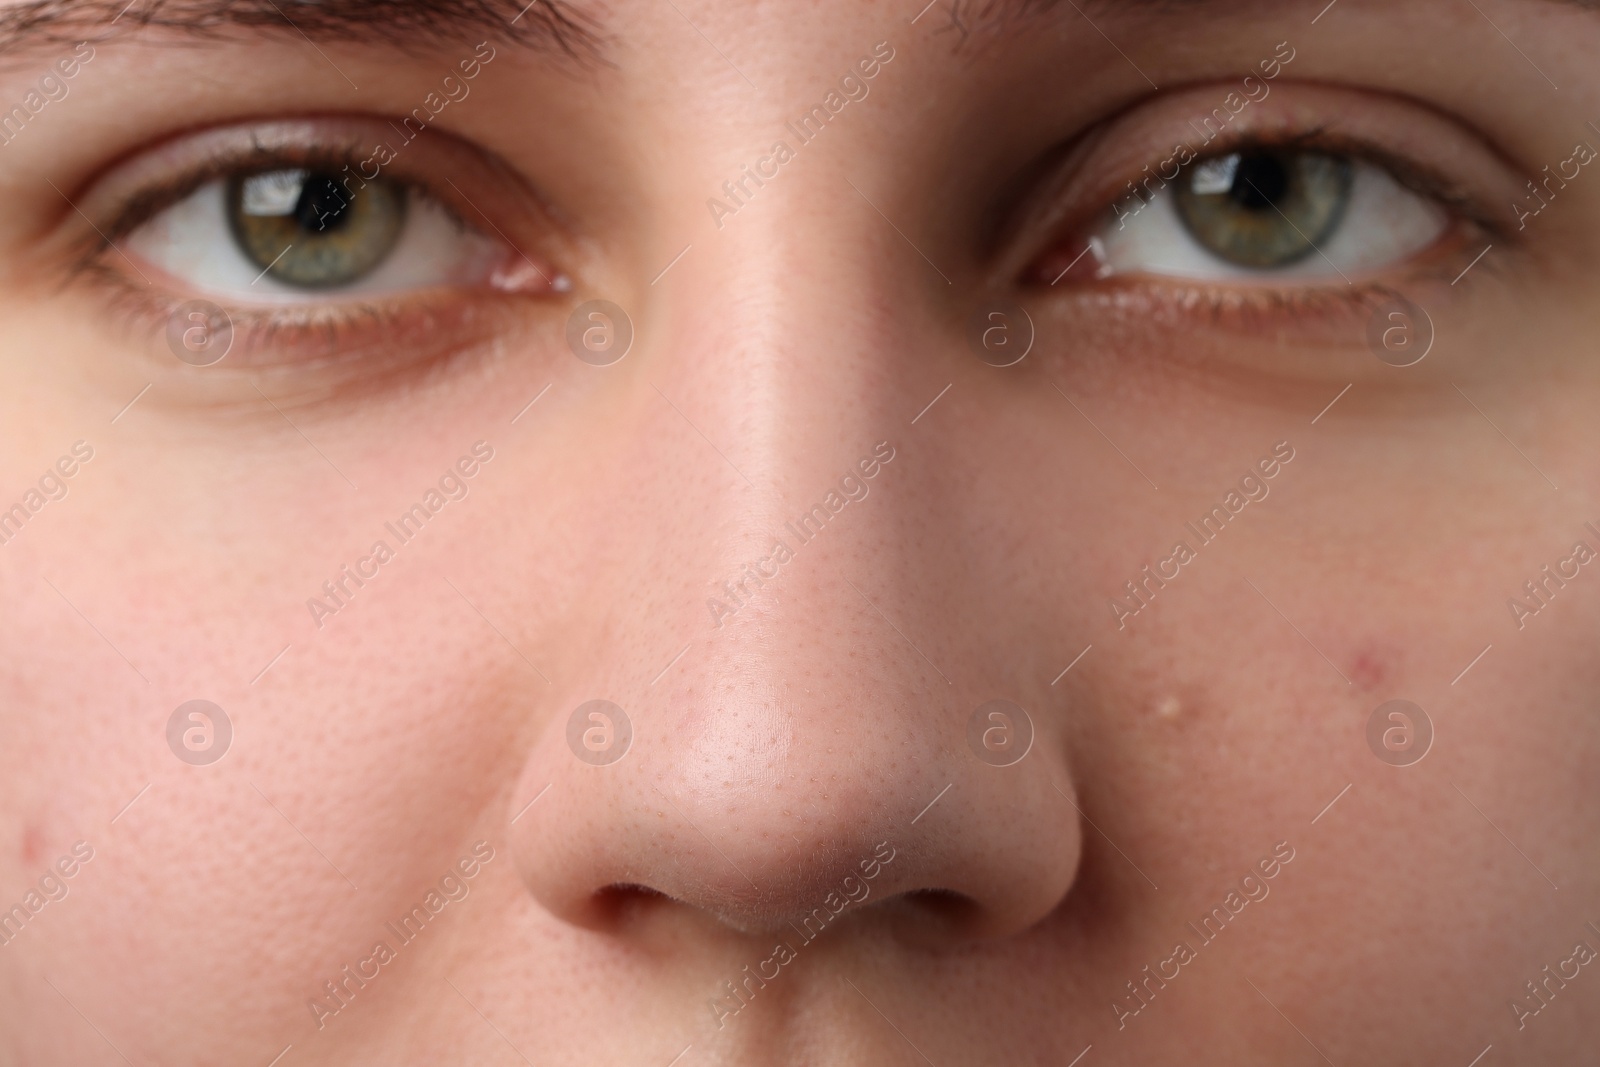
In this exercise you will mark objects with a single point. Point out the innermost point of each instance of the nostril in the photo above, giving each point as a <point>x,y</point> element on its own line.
<point>936,916</point>
<point>623,902</point>
<point>939,899</point>
<point>630,889</point>
<point>943,903</point>
<point>709,838</point>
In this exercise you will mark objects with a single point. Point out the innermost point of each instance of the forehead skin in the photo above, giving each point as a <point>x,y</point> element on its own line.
<point>1205,773</point>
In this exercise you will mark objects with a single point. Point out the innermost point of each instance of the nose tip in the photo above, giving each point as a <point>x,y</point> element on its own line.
<point>807,740</point>
<point>743,816</point>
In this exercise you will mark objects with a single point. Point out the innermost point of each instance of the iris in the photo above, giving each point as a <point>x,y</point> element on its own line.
<point>306,229</point>
<point>1264,208</point>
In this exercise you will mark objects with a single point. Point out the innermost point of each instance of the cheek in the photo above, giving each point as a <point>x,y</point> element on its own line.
<point>175,624</point>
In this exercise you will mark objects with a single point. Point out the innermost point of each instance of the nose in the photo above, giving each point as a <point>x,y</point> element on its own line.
<point>826,739</point>
<point>778,790</point>
<point>771,803</point>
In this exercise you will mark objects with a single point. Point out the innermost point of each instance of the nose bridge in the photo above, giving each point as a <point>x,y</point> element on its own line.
<point>781,351</point>
<point>787,327</point>
<point>798,735</point>
<point>779,364</point>
<point>779,327</point>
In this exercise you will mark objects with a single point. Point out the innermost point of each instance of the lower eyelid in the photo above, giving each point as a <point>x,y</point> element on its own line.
<point>310,351</point>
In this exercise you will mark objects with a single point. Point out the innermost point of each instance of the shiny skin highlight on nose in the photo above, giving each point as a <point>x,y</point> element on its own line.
<point>752,801</point>
<point>791,730</point>
<point>812,698</point>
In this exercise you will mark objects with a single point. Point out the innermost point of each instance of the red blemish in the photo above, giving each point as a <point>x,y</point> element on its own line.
<point>32,845</point>
<point>1374,667</point>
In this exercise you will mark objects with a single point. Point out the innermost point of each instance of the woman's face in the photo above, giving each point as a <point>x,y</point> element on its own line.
<point>799,534</point>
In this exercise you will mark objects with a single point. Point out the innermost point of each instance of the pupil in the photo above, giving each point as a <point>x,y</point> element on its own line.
<point>323,206</point>
<point>1260,183</point>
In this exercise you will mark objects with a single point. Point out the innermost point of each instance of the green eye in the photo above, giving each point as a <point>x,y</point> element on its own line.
<point>1264,208</point>
<point>307,229</point>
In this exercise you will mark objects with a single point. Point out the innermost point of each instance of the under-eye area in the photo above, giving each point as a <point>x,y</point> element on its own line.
<point>695,534</point>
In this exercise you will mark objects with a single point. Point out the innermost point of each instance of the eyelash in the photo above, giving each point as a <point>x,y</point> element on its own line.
<point>1418,179</point>
<point>1464,208</point>
<point>1323,310</point>
<point>152,200</point>
<point>351,329</point>
<point>357,333</point>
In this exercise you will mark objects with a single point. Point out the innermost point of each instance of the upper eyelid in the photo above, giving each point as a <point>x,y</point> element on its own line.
<point>154,199</point>
<point>345,140</point>
<point>1409,172</point>
<point>137,188</point>
<point>1084,182</point>
<point>1413,175</point>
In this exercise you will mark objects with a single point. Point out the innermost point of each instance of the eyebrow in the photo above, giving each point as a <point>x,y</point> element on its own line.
<point>966,17</point>
<point>405,25</point>
<point>541,25</point>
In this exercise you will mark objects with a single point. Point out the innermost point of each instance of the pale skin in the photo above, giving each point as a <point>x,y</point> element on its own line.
<point>803,740</point>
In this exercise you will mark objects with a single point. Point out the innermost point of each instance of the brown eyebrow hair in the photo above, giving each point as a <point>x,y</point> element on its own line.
<point>965,17</point>
<point>406,25</point>
<point>420,25</point>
